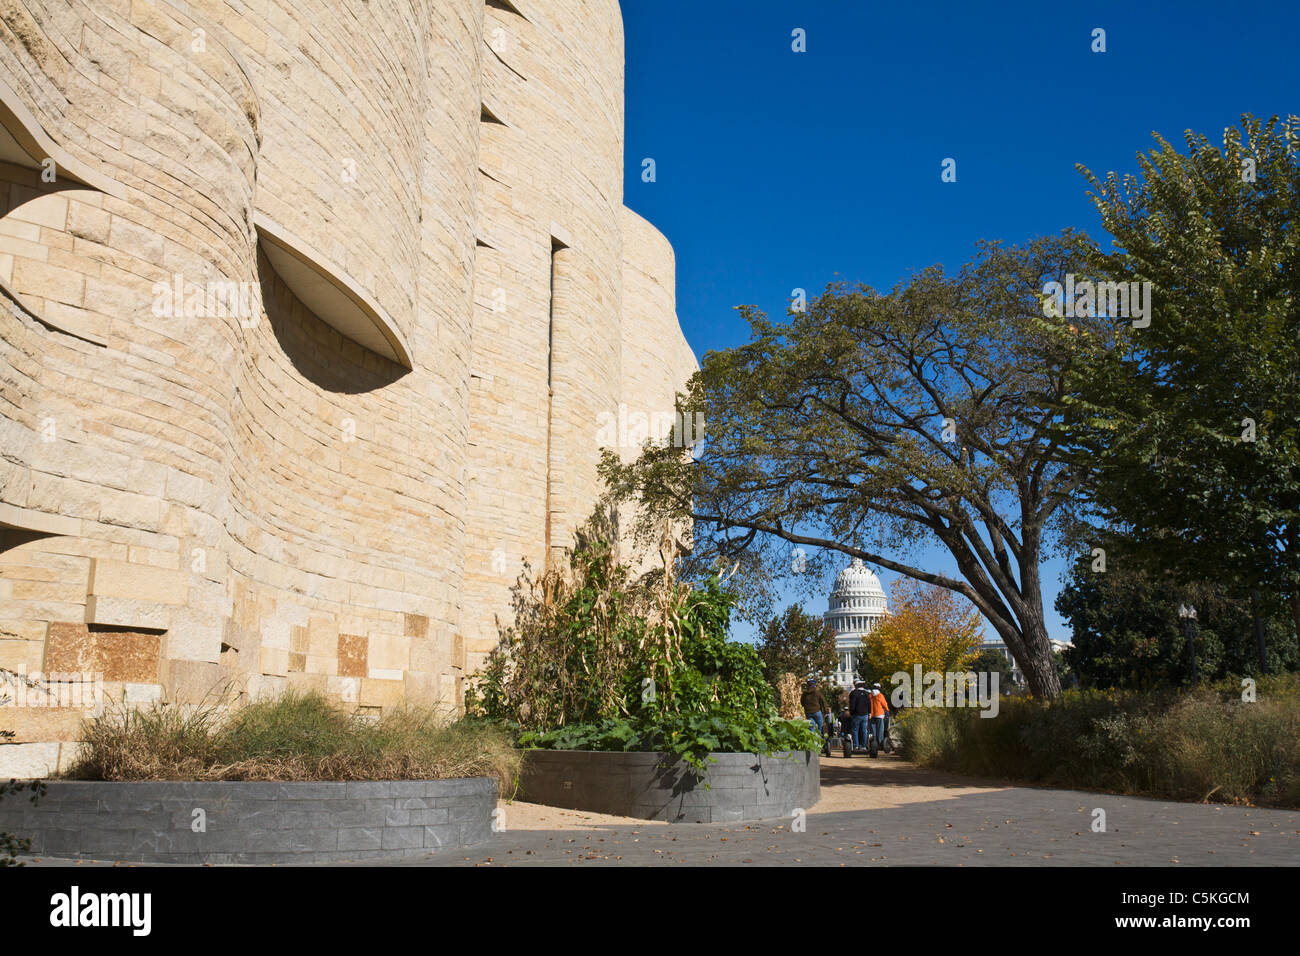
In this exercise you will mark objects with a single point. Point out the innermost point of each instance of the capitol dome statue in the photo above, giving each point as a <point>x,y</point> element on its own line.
<point>857,603</point>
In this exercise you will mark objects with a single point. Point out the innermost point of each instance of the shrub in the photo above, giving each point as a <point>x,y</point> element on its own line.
<point>598,660</point>
<point>1206,744</point>
<point>292,737</point>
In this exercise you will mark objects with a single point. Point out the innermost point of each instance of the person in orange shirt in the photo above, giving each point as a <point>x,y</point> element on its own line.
<point>879,714</point>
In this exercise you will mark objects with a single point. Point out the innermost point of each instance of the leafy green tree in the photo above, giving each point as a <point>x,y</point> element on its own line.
<point>874,423</point>
<point>1127,633</point>
<point>991,661</point>
<point>1187,428</point>
<point>795,642</point>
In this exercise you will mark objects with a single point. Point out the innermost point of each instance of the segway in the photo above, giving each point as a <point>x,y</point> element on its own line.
<point>874,746</point>
<point>843,740</point>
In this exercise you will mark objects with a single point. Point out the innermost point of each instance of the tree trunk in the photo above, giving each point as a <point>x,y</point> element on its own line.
<point>1259,630</point>
<point>1039,663</point>
<point>1295,616</point>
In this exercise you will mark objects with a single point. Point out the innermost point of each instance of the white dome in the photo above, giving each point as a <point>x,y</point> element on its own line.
<point>857,605</point>
<point>857,580</point>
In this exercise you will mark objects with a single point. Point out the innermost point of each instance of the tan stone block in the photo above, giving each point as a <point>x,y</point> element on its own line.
<point>49,282</point>
<point>266,686</point>
<point>388,652</point>
<point>43,591</point>
<point>86,323</point>
<point>23,630</point>
<point>21,656</point>
<point>125,612</point>
<point>422,690</point>
<point>87,222</point>
<point>352,655</point>
<point>309,683</point>
<point>381,693</point>
<point>141,695</point>
<point>317,664</point>
<point>189,639</point>
<point>70,754</point>
<point>138,582</point>
<point>154,558</point>
<point>426,656</point>
<point>131,511</point>
<point>28,761</point>
<point>274,661</point>
<point>42,724</point>
<point>196,682</point>
<point>116,655</point>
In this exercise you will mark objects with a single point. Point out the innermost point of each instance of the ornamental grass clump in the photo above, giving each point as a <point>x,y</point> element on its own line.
<point>1206,744</point>
<point>292,737</point>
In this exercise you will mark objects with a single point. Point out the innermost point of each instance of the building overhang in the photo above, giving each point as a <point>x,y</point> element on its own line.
<point>24,142</point>
<point>330,293</point>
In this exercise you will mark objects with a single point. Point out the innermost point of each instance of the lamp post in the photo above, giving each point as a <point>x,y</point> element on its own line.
<point>1187,614</point>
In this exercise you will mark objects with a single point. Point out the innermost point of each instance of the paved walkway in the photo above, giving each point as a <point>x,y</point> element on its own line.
<point>888,812</point>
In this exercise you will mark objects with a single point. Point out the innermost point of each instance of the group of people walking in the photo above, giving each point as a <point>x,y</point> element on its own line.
<point>865,712</point>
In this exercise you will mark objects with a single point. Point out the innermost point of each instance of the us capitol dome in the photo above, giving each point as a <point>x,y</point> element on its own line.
<point>857,604</point>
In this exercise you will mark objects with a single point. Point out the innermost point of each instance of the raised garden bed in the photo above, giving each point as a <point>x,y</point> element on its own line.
<point>650,786</point>
<point>313,822</point>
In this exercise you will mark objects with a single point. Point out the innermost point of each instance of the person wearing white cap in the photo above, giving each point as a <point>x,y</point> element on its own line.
<point>879,713</point>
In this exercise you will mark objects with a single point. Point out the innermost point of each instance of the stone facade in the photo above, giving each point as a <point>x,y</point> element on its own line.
<point>310,313</point>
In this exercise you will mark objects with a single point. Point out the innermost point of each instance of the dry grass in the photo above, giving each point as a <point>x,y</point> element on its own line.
<point>1202,745</point>
<point>293,737</point>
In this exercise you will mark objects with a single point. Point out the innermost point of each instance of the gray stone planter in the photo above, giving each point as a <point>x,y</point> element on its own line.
<point>736,787</point>
<point>253,822</point>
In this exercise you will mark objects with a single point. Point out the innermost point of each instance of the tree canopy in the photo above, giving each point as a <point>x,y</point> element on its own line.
<point>795,642</point>
<point>876,422</point>
<point>1186,429</point>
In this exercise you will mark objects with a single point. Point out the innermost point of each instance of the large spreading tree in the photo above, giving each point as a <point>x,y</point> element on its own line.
<point>1188,429</point>
<point>873,423</point>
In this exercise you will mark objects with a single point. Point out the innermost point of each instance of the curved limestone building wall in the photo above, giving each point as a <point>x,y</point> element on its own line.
<point>310,313</point>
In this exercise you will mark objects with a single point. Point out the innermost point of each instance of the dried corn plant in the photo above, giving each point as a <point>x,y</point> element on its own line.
<point>588,640</point>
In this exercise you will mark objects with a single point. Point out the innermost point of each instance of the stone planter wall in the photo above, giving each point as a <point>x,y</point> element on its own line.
<point>739,786</point>
<point>253,822</point>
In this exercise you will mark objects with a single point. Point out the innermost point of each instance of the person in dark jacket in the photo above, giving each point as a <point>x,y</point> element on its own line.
<point>814,704</point>
<point>860,709</point>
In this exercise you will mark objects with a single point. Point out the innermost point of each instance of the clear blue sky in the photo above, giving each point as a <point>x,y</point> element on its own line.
<point>778,169</point>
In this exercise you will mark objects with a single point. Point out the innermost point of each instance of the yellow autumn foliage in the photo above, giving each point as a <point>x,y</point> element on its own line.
<point>930,626</point>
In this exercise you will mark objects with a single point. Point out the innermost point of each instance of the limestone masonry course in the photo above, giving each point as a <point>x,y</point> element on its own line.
<point>311,310</point>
